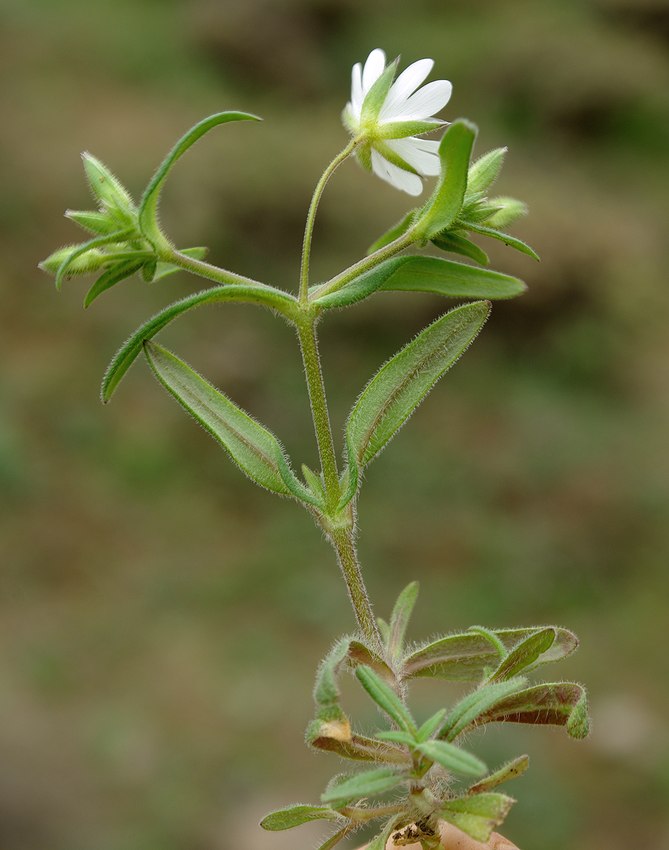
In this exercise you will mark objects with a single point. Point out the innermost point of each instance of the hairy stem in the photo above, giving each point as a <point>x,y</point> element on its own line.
<point>311,217</point>
<point>206,270</point>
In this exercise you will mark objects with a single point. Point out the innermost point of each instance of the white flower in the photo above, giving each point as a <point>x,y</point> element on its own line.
<point>387,117</point>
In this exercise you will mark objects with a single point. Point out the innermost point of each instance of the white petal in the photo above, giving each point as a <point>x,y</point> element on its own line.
<point>426,102</point>
<point>374,67</point>
<point>397,177</point>
<point>356,90</point>
<point>421,154</point>
<point>405,85</point>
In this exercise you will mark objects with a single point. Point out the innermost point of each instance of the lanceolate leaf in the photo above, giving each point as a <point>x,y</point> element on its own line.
<point>556,704</point>
<point>431,725</point>
<point>394,233</point>
<point>469,711</point>
<point>445,204</point>
<point>335,736</point>
<point>399,619</point>
<point>524,654</point>
<point>403,382</point>
<point>384,696</point>
<point>148,209</point>
<point>479,815</point>
<point>508,771</point>
<point>369,783</point>
<point>333,840</point>
<point>266,296</point>
<point>511,241</point>
<point>455,243</point>
<point>464,657</point>
<point>453,758</point>
<point>293,816</point>
<point>251,446</point>
<point>425,274</point>
<point>112,276</point>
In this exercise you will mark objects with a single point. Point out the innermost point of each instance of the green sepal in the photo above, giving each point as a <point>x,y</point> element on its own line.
<point>113,275</point>
<point>369,783</point>
<point>416,273</point>
<point>265,296</point>
<point>554,704</point>
<point>394,233</point>
<point>402,383</point>
<point>404,129</point>
<point>93,220</point>
<point>479,212</point>
<point>376,96</point>
<point>107,189</point>
<point>149,269</point>
<point>385,697</point>
<point>148,208</point>
<point>463,657</point>
<point>509,211</point>
<point>292,816</point>
<point>84,249</point>
<point>85,262</point>
<point>485,170</point>
<point>248,443</point>
<point>470,710</point>
<point>455,243</point>
<point>525,654</point>
<point>478,815</point>
<point>511,241</point>
<point>452,758</point>
<point>314,483</point>
<point>164,269</point>
<point>428,729</point>
<point>444,206</point>
<point>511,770</point>
<point>399,619</point>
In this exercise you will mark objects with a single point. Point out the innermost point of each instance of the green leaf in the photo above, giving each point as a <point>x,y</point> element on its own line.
<point>148,209</point>
<point>445,204</point>
<point>403,382</point>
<point>485,170</point>
<point>508,771</point>
<point>397,737</point>
<point>394,233</point>
<point>554,704</point>
<point>452,758</point>
<point>479,815</point>
<point>525,654</point>
<point>266,296</point>
<point>399,619</point>
<point>93,221</point>
<point>384,696</point>
<point>455,243</point>
<point>106,188</point>
<point>511,241</point>
<point>333,840</point>
<point>431,725</point>
<point>425,274</point>
<point>293,816</point>
<point>113,275</point>
<point>358,653</point>
<point>464,657</point>
<point>369,783</point>
<point>384,628</point>
<point>471,708</point>
<point>380,840</point>
<point>252,447</point>
<point>335,736</point>
<point>165,269</point>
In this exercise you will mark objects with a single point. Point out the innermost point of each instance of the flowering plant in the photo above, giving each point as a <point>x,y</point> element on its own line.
<point>417,773</point>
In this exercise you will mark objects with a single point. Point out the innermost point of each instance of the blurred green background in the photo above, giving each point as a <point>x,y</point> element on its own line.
<point>161,618</point>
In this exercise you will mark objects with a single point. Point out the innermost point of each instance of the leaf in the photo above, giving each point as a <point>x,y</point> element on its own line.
<point>425,274</point>
<point>384,629</point>
<point>403,382</point>
<point>394,233</point>
<point>369,783</point>
<point>397,737</point>
<point>485,170</point>
<point>452,758</point>
<point>479,815</point>
<point>511,241</point>
<point>464,657</point>
<point>431,725</point>
<point>455,243</point>
<point>384,696</point>
<point>399,619</point>
<point>510,770</point>
<point>446,202</point>
<point>333,840</point>
<point>469,710</point>
<point>555,704</point>
<point>148,208</point>
<point>292,816</point>
<point>92,220</point>
<point>524,654</point>
<point>252,447</point>
<point>335,736</point>
<point>267,296</point>
<point>358,653</point>
<point>110,278</point>
<point>381,839</point>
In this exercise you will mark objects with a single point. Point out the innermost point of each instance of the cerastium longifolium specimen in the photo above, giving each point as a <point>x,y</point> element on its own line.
<point>415,771</point>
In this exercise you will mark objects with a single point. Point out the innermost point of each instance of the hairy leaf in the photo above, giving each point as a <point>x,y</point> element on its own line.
<point>369,783</point>
<point>453,758</point>
<point>485,170</point>
<point>394,233</point>
<point>511,241</point>
<point>479,815</point>
<point>431,725</point>
<point>384,696</point>
<point>510,770</point>
<point>399,619</point>
<point>525,654</point>
<point>111,277</point>
<point>471,708</point>
<point>293,816</point>
<point>93,220</point>
<point>455,243</point>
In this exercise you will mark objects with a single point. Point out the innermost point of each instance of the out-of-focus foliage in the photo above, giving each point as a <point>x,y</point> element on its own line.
<point>142,574</point>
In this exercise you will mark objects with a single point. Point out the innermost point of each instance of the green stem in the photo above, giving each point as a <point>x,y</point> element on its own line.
<point>343,540</point>
<point>311,217</point>
<point>206,270</point>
